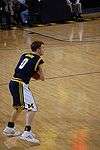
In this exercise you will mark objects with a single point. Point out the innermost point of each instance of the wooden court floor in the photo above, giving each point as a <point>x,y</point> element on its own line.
<point>68,116</point>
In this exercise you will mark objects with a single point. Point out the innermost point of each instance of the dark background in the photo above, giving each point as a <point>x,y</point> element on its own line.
<point>55,10</point>
<point>90,3</point>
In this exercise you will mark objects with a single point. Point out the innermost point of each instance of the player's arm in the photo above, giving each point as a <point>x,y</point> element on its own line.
<point>41,73</point>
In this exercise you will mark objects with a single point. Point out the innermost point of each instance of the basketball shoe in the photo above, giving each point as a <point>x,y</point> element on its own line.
<point>29,136</point>
<point>11,132</point>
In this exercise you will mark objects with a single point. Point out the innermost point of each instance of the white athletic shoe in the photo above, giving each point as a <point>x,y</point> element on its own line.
<point>11,132</point>
<point>29,136</point>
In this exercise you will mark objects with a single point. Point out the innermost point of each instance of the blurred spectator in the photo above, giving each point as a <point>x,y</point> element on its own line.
<point>24,17</point>
<point>18,8</point>
<point>34,11</point>
<point>24,14</point>
<point>5,16</point>
<point>2,10</point>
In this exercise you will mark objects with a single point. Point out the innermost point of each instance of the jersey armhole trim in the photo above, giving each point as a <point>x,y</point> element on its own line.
<point>37,64</point>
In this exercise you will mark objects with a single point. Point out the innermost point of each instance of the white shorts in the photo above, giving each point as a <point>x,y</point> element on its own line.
<point>22,95</point>
<point>29,100</point>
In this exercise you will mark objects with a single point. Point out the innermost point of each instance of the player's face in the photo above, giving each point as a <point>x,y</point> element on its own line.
<point>41,49</point>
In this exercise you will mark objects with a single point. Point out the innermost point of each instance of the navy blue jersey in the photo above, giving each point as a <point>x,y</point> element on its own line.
<point>27,65</point>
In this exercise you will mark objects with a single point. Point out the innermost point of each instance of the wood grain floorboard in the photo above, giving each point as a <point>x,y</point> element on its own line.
<point>68,116</point>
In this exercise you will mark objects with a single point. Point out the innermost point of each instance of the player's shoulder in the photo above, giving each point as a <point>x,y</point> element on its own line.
<point>23,54</point>
<point>36,56</point>
<point>29,55</point>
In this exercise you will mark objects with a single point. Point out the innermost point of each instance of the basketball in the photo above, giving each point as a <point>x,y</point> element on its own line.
<point>36,76</point>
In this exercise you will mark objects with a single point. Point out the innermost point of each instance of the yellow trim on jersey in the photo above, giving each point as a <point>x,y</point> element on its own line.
<point>21,94</point>
<point>17,80</point>
<point>29,55</point>
<point>37,64</point>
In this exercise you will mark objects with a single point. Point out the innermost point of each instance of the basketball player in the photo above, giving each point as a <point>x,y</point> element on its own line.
<point>75,9</point>
<point>21,94</point>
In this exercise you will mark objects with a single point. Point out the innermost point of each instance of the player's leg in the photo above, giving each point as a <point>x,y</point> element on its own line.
<point>78,9</point>
<point>10,129</point>
<point>29,117</point>
<point>14,115</point>
<point>16,89</point>
<point>69,10</point>
<point>30,109</point>
<point>78,12</point>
